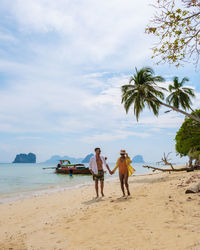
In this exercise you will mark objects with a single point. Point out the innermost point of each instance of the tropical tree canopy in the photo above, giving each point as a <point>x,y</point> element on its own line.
<point>143,91</point>
<point>180,96</point>
<point>188,137</point>
<point>177,26</point>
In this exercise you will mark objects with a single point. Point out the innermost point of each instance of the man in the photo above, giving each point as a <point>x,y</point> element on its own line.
<point>98,167</point>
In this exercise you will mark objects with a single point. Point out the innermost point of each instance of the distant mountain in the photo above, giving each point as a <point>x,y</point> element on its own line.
<point>138,159</point>
<point>56,158</point>
<point>87,158</point>
<point>25,158</point>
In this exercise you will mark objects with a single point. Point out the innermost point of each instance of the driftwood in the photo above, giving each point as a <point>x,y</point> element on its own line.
<point>195,188</point>
<point>165,161</point>
<point>167,169</point>
<point>188,169</point>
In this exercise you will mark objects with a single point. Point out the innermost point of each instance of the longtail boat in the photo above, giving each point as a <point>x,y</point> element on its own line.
<point>66,167</point>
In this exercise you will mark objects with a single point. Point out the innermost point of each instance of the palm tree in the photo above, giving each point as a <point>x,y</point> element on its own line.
<point>145,91</point>
<point>180,96</point>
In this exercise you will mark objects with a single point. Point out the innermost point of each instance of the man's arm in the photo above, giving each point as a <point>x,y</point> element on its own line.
<point>108,168</point>
<point>90,166</point>
<point>105,163</point>
<point>91,171</point>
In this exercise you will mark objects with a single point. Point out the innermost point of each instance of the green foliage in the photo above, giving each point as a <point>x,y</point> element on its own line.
<point>178,30</point>
<point>188,137</point>
<point>143,90</point>
<point>180,96</point>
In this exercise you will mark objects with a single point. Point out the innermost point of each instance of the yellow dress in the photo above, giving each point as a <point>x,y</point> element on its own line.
<point>131,170</point>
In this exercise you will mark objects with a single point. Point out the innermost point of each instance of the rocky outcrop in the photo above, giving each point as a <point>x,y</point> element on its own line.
<point>87,158</point>
<point>56,158</point>
<point>138,159</point>
<point>25,158</point>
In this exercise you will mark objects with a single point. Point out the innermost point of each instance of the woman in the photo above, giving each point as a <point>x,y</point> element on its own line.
<point>125,170</point>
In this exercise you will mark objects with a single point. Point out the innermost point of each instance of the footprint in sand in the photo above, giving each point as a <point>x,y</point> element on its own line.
<point>84,218</point>
<point>69,220</point>
<point>116,207</point>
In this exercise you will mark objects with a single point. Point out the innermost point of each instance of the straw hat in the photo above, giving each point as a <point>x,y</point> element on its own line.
<point>122,152</point>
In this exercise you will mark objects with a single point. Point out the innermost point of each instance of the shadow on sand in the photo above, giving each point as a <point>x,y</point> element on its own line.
<point>111,199</point>
<point>94,200</point>
<point>121,199</point>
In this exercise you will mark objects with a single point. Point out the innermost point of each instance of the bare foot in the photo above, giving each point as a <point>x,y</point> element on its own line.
<point>96,197</point>
<point>102,194</point>
<point>129,193</point>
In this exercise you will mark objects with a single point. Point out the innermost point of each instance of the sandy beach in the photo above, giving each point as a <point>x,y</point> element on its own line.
<point>158,215</point>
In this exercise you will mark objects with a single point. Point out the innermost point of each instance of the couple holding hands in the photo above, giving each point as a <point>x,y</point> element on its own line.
<point>98,167</point>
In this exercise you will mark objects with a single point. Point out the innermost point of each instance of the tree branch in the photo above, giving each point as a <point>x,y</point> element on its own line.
<point>167,169</point>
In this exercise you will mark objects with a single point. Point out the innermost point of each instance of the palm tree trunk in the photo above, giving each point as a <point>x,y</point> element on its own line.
<point>180,111</point>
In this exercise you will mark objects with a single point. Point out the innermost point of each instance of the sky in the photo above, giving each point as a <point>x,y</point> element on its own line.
<point>61,67</point>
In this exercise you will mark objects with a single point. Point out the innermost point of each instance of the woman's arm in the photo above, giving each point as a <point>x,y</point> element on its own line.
<point>128,160</point>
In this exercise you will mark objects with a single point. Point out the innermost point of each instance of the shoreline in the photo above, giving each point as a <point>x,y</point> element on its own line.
<point>33,187</point>
<point>15,196</point>
<point>21,195</point>
<point>158,215</point>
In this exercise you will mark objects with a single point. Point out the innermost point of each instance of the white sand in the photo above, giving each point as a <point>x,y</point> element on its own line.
<point>159,215</point>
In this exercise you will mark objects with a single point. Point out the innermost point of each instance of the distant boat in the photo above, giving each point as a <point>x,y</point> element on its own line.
<point>66,167</point>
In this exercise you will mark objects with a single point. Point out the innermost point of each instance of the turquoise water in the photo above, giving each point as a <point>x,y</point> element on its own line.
<point>22,180</point>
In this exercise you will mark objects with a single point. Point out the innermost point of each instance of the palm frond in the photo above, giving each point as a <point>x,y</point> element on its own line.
<point>185,79</point>
<point>180,96</point>
<point>142,91</point>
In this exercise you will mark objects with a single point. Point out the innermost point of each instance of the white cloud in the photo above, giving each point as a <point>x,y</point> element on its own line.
<point>22,138</point>
<point>170,120</point>
<point>113,136</point>
<point>7,37</point>
<point>65,108</point>
<point>196,101</point>
<point>108,32</point>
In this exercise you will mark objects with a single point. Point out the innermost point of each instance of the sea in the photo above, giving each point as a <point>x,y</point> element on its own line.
<point>20,181</point>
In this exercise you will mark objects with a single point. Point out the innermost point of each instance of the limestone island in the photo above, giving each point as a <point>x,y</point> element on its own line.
<point>87,158</point>
<point>25,158</point>
<point>138,159</point>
